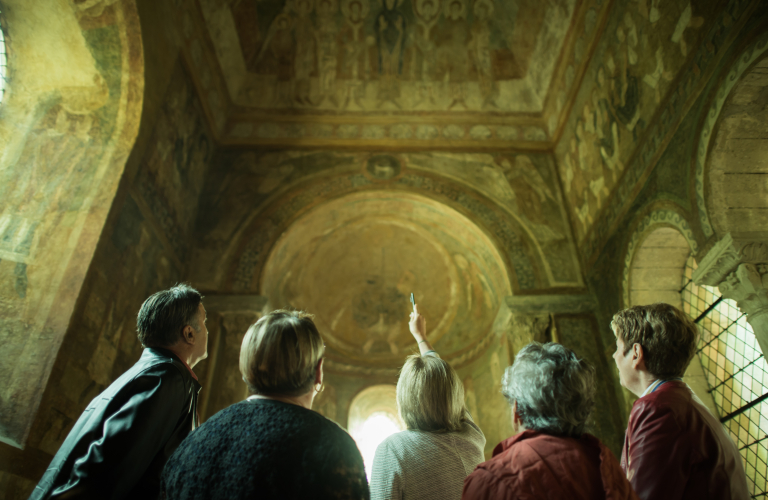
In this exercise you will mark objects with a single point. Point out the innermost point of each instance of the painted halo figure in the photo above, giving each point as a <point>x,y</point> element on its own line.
<point>552,393</point>
<point>271,445</point>
<point>441,445</point>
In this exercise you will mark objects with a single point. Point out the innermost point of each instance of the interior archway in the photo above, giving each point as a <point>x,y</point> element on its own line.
<point>737,170</point>
<point>354,261</point>
<point>373,417</point>
<point>655,275</point>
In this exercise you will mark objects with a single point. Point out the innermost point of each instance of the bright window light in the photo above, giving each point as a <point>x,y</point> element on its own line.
<point>378,427</point>
<point>372,419</point>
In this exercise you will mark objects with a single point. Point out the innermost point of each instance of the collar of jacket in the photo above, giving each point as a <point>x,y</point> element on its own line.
<point>159,353</point>
<point>509,442</point>
<point>529,434</point>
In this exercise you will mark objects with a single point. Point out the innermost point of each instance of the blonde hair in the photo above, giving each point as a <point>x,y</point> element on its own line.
<point>280,353</point>
<point>430,395</point>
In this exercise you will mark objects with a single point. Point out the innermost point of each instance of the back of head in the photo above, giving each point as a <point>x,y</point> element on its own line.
<point>553,388</point>
<point>430,395</point>
<point>164,315</point>
<point>280,353</point>
<point>667,334</point>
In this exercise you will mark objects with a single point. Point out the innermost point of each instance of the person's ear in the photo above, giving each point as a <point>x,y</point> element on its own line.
<point>188,334</point>
<point>319,372</point>
<point>638,356</point>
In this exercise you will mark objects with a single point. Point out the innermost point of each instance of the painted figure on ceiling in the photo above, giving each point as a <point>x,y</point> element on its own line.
<point>427,13</point>
<point>452,55</point>
<point>306,50</point>
<point>281,46</point>
<point>327,49</point>
<point>390,37</point>
<point>480,50</point>
<point>354,69</point>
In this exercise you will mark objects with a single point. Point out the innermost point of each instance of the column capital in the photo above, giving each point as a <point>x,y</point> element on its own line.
<point>726,256</point>
<point>740,271</point>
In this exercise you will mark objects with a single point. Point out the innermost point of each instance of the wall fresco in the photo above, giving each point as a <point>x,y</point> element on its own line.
<point>66,127</point>
<point>642,50</point>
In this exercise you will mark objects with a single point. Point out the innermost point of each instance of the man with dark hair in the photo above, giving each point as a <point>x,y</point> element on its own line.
<point>119,445</point>
<point>674,447</point>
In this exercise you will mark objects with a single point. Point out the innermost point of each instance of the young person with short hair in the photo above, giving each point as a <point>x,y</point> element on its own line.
<point>674,447</point>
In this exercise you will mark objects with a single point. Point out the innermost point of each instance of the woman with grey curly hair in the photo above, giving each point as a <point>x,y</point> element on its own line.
<point>551,392</point>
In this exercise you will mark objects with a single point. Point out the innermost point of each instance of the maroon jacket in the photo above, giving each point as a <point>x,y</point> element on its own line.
<point>532,465</point>
<point>676,449</point>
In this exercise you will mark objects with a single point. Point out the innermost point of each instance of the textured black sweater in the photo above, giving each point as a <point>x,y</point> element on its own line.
<point>260,449</point>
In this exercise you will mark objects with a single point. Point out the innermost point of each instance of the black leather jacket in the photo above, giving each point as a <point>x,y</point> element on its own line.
<point>119,445</point>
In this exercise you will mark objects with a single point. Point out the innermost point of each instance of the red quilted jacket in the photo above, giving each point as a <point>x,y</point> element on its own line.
<point>532,465</point>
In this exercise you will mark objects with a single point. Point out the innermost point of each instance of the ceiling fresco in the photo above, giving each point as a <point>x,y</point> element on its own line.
<point>354,261</point>
<point>451,73</point>
<point>398,55</point>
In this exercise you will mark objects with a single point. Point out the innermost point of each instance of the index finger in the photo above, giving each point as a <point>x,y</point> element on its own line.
<point>416,308</point>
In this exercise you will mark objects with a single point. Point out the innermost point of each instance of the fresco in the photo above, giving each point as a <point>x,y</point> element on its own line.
<point>643,47</point>
<point>173,169</point>
<point>139,256</point>
<point>353,262</point>
<point>68,122</point>
<point>518,203</point>
<point>370,55</point>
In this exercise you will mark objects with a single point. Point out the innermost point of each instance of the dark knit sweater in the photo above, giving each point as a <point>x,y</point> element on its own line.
<point>259,449</point>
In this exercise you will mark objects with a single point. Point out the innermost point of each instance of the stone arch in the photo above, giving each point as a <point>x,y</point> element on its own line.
<point>750,59</point>
<point>353,262</point>
<point>737,170</point>
<point>373,402</point>
<point>247,254</point>
<point>654,267</point>
<point>662,231</point>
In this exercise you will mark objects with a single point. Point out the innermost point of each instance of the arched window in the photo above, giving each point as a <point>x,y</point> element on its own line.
<point>736,372</point>
<point>3,63</point>
<point>372,418</point>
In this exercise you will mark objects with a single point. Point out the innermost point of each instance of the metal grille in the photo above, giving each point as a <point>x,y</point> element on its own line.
<point>3,65</point>
<point>736,372</point>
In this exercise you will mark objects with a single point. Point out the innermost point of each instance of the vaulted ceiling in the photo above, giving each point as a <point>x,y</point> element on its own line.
<point>405,74</point>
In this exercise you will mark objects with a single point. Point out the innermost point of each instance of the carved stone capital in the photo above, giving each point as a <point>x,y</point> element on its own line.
<point>748,286</point>
<point>740,271</point>
<point>726,256</point>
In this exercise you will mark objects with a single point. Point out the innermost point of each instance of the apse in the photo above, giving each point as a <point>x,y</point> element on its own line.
<point>353,262</point>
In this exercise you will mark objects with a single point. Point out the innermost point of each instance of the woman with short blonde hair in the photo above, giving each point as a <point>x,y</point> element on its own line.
<point>280,354</point>
<point>271,445</point>
<point>441,445</point>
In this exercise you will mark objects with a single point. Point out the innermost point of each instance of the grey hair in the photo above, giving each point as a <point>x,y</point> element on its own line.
<point>553,388</point>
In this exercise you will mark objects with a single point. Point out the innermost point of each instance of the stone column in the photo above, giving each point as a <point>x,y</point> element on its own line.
<point>231,315</point>
<point>532,317</point>
<point>740,271</point>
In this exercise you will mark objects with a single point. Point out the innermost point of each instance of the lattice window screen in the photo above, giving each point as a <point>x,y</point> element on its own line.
<point>736,372</point>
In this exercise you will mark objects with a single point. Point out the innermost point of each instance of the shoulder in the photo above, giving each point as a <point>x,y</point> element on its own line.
<point>661,409</point>
<point>470,429</point>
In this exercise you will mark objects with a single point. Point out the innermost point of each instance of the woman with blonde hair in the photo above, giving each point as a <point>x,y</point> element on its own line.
<point>441,445</point>
<point>271,445</point>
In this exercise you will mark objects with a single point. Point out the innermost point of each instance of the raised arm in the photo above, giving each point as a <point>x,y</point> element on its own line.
<point>418,327</point>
